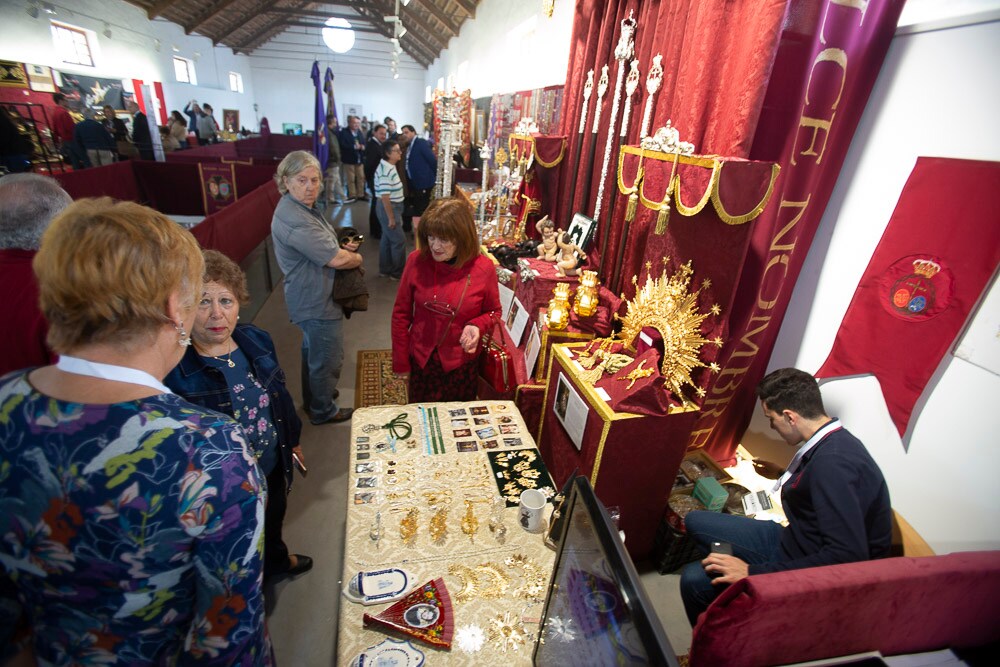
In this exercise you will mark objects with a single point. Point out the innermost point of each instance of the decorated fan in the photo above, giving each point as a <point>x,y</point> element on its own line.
<point>425,614</point>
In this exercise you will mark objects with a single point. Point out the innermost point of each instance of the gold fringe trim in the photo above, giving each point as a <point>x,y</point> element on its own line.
<point>534,149</point>
<point>674,187</point>
<point>731,219</point>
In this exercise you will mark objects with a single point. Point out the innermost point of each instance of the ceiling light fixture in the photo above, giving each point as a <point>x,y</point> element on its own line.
<point>338,35</point>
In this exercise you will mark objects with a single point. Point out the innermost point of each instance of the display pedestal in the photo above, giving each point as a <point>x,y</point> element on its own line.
<point>550,337</point>
<point>631,459</point>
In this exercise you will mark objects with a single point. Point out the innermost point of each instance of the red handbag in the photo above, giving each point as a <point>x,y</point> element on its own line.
<point>496,366</point>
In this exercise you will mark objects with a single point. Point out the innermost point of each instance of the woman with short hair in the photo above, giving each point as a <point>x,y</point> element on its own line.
<point>132,519</point>
<point>233,368</point>
<point>309,255</point>
<point>446,299</point>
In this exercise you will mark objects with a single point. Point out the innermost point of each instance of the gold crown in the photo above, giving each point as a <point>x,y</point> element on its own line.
<point>926,267</point>
<point>666,305</point>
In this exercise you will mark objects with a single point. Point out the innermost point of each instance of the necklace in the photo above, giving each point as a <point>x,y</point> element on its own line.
<point>229,358</point>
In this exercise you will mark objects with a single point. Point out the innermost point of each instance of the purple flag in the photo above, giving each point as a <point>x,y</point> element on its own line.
<point>331,105</point>
<point>320,148</point>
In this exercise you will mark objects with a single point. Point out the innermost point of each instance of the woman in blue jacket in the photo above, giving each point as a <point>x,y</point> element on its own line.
<point>233,368</point>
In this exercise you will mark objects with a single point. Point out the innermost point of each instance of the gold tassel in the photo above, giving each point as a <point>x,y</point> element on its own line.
<point>633,200</point>
<point>662,218</point>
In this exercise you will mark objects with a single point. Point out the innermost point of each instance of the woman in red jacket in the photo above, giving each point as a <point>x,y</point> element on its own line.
<point>446,297</point>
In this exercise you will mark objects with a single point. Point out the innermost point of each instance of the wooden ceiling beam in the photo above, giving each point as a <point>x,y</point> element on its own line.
<point>312,13</point>
<point>419,50</point>
<point>236,26</point>
<point>158,8</point>
<point>436,12</point>
<point>320,26</point>
<point>468,6</point>
<point>208,15</point>
<point>427,33</point>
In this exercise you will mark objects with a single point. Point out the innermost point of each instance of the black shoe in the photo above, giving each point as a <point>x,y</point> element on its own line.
<point>303,565</point>
<point>343,415</point>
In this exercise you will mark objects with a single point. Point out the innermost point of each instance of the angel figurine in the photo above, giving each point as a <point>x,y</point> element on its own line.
<point>548,249</point>
<point>571,256</point>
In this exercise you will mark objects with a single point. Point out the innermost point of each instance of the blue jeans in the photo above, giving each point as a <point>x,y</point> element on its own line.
<point>754,542</point>
<point>322,361</point>
<point>392,245</point>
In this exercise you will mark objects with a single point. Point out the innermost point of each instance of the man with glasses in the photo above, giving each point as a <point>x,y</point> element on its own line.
<point>389,208</point>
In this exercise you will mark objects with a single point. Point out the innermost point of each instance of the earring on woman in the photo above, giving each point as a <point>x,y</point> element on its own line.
<point>183,337</point>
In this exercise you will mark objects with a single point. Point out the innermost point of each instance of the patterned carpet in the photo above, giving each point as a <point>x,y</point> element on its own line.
<point>376,385</point>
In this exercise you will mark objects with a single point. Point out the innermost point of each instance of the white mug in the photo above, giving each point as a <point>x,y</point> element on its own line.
<point>532,508</point>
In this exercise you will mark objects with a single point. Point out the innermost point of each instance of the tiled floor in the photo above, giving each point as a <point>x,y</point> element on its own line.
<point>303,612</point>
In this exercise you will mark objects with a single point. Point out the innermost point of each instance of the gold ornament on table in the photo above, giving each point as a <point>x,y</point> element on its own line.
<point>557,315</point>
<point>585,302</point>
<point>666,304</point>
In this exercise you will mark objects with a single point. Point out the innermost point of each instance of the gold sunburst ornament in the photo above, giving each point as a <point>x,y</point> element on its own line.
<point>666,304</point>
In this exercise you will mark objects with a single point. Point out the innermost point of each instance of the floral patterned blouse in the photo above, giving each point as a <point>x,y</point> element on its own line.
<point>131,532</point>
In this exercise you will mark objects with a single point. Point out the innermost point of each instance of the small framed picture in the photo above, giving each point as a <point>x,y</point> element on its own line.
<point>501,407</point>
<point>508,429</point>
<point>459,423</point>
<point>467,446</point>
<point>364,498</point>
<point>505,419</point>
<point>366,468</point>
<point>482,421</point>
<point>480,410</point>
<point>491,444</point>
<point>458,412</point>
<point>581,230</point>
<point>362,438</point>
<point>511,442</point>
<point>367,482</point>
<point>362,456</point>
<point>462,433</point>
<point>488,432</point>
<point>364,447</point>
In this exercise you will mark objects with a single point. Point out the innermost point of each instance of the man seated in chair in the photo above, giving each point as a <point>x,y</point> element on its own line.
<point>833,494</point>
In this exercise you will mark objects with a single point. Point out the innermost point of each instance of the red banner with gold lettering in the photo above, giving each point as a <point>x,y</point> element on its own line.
<point>829,58</point>
<point>935,258</point>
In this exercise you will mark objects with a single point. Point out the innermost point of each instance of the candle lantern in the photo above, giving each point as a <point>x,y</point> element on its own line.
<point>557,315</point>
<point>586,301</point>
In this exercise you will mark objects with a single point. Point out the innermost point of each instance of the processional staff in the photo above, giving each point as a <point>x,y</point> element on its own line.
<point>587,89</point>
<point>602,87</point>
<point>631,85</point>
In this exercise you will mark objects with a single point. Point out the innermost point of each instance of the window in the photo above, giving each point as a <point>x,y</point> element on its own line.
<point>72,44</point>
<point>236,82</point>
<point>184,70</point>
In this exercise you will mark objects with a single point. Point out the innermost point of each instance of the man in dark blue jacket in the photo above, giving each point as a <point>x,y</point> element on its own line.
<point>352,158</point>
<point>421,171</point>
<point>833,494</point>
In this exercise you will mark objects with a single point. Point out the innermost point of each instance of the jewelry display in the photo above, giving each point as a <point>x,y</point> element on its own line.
<point>585,301</point>
<point>408,526</point>
<point>470,638</point>
<point>532,576</point>
<point>467,577</point>
<point>506,632</point>
<point>512,477</point>
<point>557,314</point>
<point>470,524</point>
<point>439,526</point>
<point>637,373</point>
<point>653,80</point>
<point>496,525</point>
<point>623,52</point>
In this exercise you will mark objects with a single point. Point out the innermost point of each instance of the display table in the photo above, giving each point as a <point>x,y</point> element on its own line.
<point>447,464</point>
<point>631,459</point>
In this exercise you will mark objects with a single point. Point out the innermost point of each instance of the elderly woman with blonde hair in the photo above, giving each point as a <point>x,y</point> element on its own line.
<point>309,255</point>
<point>132,519</point>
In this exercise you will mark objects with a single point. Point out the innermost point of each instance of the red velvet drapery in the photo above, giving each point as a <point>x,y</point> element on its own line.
<point>717,59</point>
<point>830,55</point>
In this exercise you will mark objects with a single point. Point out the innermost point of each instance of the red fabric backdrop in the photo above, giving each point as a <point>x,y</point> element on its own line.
<point>829,58</point>
<point>717,57</point>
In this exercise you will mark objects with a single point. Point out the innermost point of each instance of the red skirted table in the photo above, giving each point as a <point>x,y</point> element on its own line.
<point>630,458</point>
<point>538,194</point>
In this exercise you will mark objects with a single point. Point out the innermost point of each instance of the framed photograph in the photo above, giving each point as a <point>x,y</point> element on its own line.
<point>571,410</point>
<point>230,120</point>
<point>581,230</point>
<point>352,110</point>
<point>40,78</point>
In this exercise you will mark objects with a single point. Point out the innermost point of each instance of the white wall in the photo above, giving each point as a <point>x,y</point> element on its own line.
<point>362,77</point>
<point>937,95</point>
<point>130,52</point>
<point>511,45</point>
